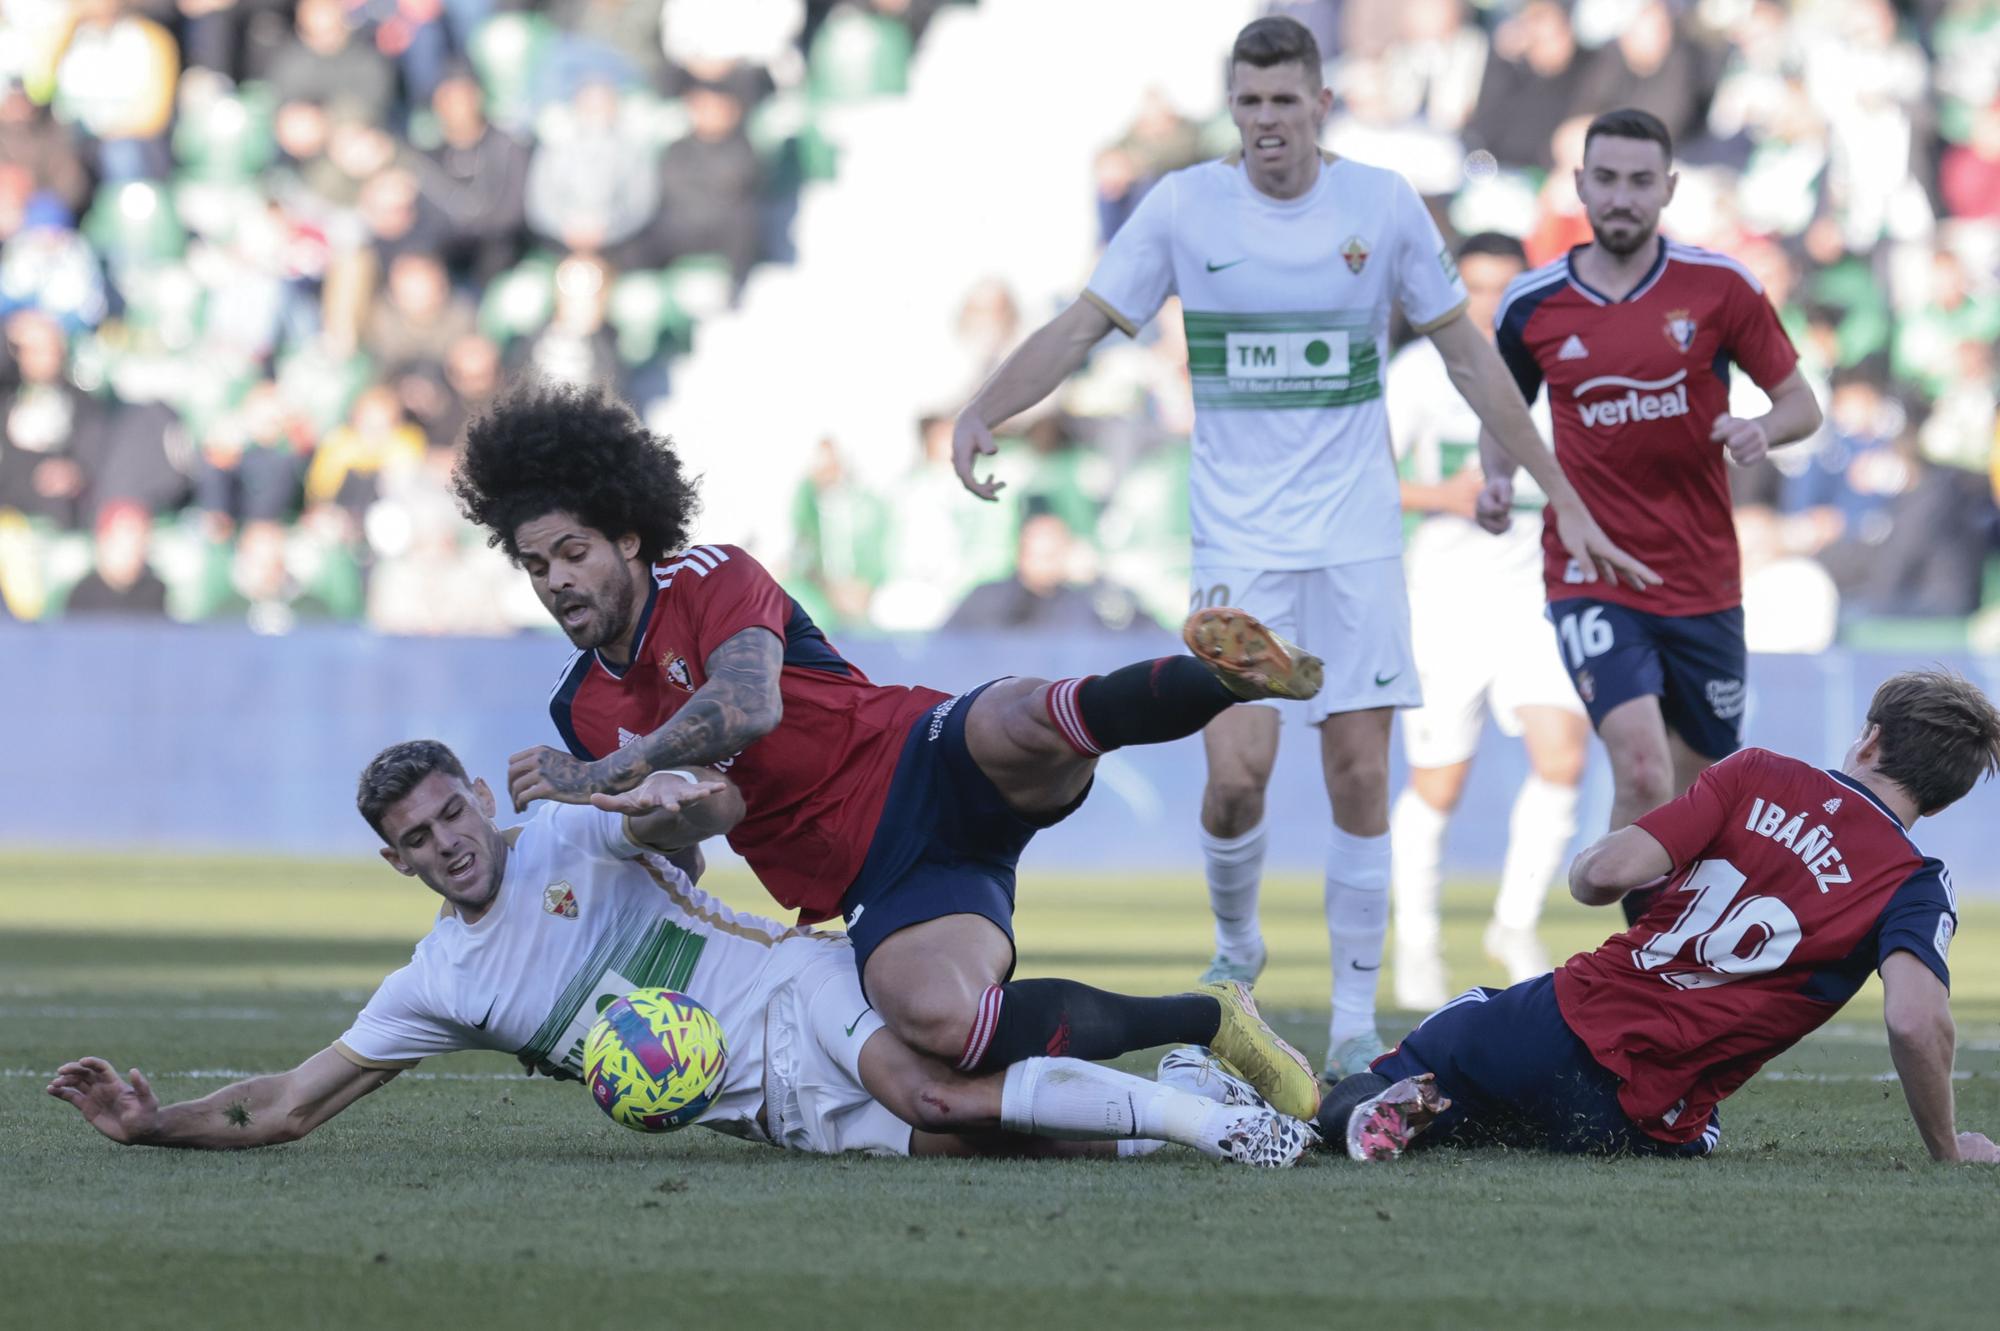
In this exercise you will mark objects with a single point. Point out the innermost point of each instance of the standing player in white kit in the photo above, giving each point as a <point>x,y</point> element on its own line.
<point>1482,645</point>
<point>1287,261</point>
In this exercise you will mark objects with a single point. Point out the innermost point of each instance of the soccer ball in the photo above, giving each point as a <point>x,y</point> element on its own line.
<point>654,1060</point>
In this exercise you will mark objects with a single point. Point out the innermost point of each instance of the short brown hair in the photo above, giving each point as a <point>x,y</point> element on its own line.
<point>1940,735</point>
<point>396,771</point>
<point>1276,40</point>
<point>1631,123</point>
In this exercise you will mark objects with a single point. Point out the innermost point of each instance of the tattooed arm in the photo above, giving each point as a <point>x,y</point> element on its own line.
<point>738,705</point>
<point>261,1111</point>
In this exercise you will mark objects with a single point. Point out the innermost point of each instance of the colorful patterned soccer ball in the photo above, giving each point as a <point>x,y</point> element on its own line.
<point>654,1060</point>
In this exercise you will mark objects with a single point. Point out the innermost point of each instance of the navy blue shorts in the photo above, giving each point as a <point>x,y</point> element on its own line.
<point>1518,1076</point>
<point>1694,664</point>
<point>947,843</point>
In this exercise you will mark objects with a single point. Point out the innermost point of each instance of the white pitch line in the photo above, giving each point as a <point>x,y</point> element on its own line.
<point>238,1074</point>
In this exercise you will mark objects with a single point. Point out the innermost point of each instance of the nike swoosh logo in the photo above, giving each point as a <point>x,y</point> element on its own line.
<point>857,1021</point>
<point>1384,681</point>
<point>1215,267</point>
<point>480,1025</point>
<point>1358,966</point>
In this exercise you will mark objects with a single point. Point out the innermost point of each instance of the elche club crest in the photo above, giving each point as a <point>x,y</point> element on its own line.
<point>1355,251</point>
<point>1680,330</point>
<point>560,899</point>
<point>674,669</point>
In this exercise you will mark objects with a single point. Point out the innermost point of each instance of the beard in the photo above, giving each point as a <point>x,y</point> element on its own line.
<point>610,613</point>
<point>1636,236</point>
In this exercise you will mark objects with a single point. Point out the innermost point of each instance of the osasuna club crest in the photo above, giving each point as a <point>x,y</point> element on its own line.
<point>1680,330</point>
<point>675,669</point>
<point>1355,251</point>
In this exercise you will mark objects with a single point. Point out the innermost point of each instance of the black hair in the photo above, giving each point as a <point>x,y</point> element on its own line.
<point>396,771</point>
<point>1495,244</point>
<point>548,448</point>
<point>1631,123</point>
<point>1277,40</point>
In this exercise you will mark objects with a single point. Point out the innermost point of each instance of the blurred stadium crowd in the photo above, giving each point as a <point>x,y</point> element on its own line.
<point>260,261</point>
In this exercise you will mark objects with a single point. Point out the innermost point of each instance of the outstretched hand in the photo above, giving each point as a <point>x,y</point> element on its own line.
<point>123,1111</point>
<point>662,792</point>
<point>1595,555</point>
<point>971,439</point>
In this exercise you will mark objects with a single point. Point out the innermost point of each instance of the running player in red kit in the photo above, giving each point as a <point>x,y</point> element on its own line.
<point>1633,335</point>
<point>902,809</point>
<point>1784,887</point>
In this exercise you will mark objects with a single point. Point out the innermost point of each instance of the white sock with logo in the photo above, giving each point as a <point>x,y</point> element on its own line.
<point>1357,916</point>
<point>1235,868</point>
<point>1416,831</point>
<point>1538,835</point>
<point>1073,1100</point>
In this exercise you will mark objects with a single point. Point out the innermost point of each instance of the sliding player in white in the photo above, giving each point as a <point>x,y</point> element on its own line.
<point>578,905</point>
<point>1482,645</point>
<point>1287,261</point>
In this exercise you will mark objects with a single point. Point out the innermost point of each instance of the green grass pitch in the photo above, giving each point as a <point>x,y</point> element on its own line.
<point>466,1195</point>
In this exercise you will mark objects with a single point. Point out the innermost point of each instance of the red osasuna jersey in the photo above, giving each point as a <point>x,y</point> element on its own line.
<point>1791,885</point>
<point>813,788</point>
<point>1634,387</point>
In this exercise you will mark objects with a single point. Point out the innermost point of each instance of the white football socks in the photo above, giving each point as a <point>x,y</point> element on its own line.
<point>1235,868</point>
<point>1078,1101</point>
<point>1538,835</point>
<point>1357,916</point>
<point>1416,830</point>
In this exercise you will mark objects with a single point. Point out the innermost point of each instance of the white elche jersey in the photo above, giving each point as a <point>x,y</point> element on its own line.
<point>1437,436</point>
<point>584,916</point>
<point>1287,306</point>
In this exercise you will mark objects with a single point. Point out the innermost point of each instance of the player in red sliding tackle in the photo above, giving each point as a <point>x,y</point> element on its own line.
<point>1633,335</point>
<point>902,809</point>
<point>1785,886</point>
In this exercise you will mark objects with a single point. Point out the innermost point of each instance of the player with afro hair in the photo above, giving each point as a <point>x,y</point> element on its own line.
<point>548,448</point>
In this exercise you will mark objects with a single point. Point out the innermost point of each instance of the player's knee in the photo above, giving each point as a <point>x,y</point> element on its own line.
<point>1643,778</point>
<point>936,1030</point>
<point>1358,775</point>
<point>1231,806</point>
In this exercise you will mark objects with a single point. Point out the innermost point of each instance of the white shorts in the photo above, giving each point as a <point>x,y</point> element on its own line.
<point>1355,617</point>
<point>1476,653</point>
<point>814,1028</point>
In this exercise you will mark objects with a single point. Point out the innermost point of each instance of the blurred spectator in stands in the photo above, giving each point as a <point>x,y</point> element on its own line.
<point>1931,556</point>
<point>1652,66</point>
<point>147,458</point>
<point>576,347</point>
<point>1529,88</point>
<point>618,38</point>
<point>1435,65</point>
<point>937,548</point>
<point>120,581</point>
<point>1790,602</point>
<point>264,593</point>
<point>1969,178</point>
<point>592,183</point>
<point>37,154</point>
<point>434,573</point>
<point>417,318</point>
<point>1927,342</point>
<point>1159,140</point>
<point>251,467</point>
<point>396,224</point>
<point>349,465</point>
<point>860,50</point>
<point>51,432</point>
<point>1959,431</point>
<point>1560,219</point>
<point>1869,81</point>
<point>115,80</point>
<point>325,63</point>
<point>837,539</point>
<point>1054,586</point>
<point>471,379</point>
<point>46,265</point>
<point>709,185</point>
<point>475,180</point>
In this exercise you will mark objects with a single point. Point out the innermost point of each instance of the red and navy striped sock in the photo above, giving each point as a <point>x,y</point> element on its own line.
<point>1151,702</point>
<point>1061,1018</point>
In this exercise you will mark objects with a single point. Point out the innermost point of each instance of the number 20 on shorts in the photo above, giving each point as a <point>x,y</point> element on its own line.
<point>1584,635</point>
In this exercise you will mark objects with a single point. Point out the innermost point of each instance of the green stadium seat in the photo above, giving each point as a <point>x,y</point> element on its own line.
<point>507,50</point>
<point>700,284</point>
<point>135,223</point>
<point>227,138</point>
<point>519,301</point>
<point>857,55</point>
<point>646,317</point>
